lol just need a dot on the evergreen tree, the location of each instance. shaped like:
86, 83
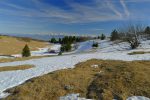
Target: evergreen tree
26, 51
53, 40
103, 37
66, 47
147, 30
98, 37
114, 35
60, 41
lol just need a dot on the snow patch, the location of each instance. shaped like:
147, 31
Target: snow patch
94, 66
73, 97
138, 98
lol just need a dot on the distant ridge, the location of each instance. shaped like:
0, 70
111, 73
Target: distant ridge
42, 37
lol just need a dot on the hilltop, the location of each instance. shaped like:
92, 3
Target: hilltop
13, 45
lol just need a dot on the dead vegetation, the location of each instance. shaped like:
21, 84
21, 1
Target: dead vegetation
12, 68
98, 79
138, 52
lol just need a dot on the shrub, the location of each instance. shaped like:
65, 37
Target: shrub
95, 44
60, 53
26, 51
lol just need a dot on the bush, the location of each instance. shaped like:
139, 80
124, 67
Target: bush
134, 43
60, 53
26, 51
95, 44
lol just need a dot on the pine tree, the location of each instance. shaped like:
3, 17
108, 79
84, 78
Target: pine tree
147, 30
26, 51
53, 40
103, 37
60, 41
114, 35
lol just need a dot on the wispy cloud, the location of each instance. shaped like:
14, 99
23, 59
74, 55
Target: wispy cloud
111, 6
79, 13
125, 8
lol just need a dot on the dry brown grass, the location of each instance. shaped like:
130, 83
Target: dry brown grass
12, 68
120, 80
138, 52
14, 45
117, 79
21, 59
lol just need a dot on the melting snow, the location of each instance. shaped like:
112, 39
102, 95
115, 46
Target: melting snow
48, 64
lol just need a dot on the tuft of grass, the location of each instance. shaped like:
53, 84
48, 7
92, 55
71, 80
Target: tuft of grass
112, 79
12, 68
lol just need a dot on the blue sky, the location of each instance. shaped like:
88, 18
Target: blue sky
70, 16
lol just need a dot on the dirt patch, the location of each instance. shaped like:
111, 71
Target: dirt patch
14, 45
92, 79
12, 68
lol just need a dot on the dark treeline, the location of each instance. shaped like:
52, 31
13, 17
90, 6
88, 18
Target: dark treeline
67, 41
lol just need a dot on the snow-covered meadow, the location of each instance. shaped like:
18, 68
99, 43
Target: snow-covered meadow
106, 50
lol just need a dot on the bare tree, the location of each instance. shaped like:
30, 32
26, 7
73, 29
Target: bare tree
132, 34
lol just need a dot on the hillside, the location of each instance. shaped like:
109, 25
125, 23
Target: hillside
107, 50
13, 45
94, 79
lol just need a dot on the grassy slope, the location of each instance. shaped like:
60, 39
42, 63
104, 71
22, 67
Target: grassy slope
13, 45
112, 79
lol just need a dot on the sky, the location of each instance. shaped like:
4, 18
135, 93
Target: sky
70, 16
